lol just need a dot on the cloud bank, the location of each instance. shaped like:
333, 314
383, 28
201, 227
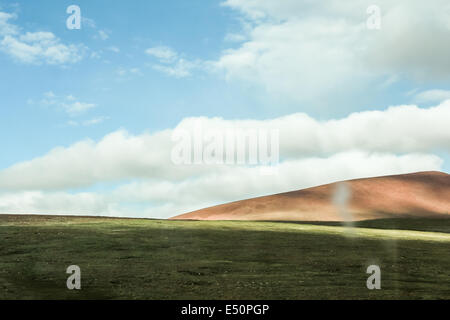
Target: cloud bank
144, 182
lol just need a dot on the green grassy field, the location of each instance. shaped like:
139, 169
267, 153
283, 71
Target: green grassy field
159, 259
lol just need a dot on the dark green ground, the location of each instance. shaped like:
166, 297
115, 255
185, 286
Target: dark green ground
156, 259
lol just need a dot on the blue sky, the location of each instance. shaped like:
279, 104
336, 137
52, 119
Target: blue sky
143, 68
147, 101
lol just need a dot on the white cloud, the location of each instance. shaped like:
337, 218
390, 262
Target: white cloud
96, 54
36, 47
236, 182
117, 156
405, 128
127, 73
235, 37
86, 123
304, 49
77, 107
147, 183
68, 103
103, 35
432, 96
162, 199
171, 63
6, 28
301, 59
182, 68
94, 121
120, 156
88, 22
163, 53
37, 202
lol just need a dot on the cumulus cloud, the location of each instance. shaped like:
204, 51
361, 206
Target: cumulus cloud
120, 156
117, 156
36, 47
235, 182
305, 49
146, 183
162, 199
37, 202
406, 128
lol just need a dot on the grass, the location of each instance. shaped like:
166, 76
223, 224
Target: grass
160, 259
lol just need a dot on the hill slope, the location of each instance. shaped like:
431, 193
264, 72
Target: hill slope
421, 194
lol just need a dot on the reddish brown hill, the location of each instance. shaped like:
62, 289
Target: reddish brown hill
416, 194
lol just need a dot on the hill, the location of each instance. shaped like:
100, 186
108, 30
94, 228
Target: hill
421, 194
